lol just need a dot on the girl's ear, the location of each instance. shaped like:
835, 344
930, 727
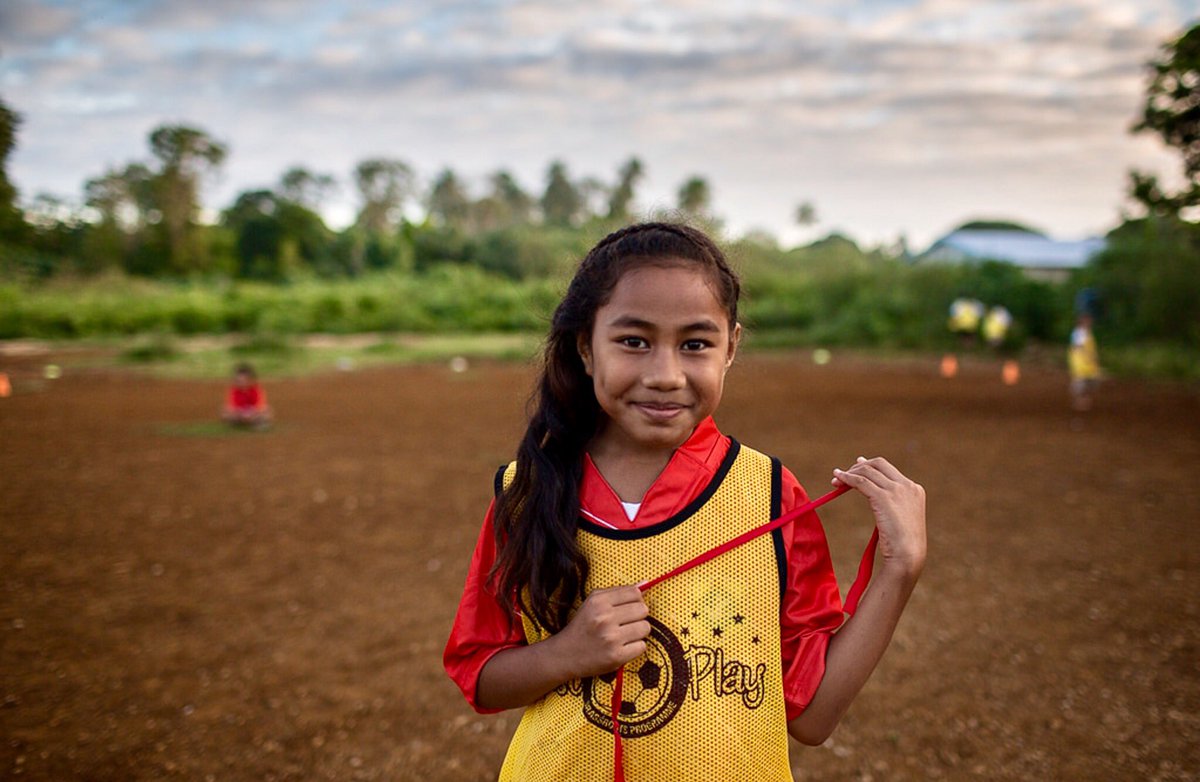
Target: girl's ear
735, 338
584, 346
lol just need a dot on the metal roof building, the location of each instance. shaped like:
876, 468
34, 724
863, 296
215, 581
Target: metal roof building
1038, 255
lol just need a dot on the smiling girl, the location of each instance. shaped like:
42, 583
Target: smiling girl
622, 475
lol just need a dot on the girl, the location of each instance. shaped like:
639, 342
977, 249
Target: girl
621, 476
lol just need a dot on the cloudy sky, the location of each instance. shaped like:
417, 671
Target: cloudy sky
891, 116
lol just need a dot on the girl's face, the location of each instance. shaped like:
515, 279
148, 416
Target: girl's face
657, 356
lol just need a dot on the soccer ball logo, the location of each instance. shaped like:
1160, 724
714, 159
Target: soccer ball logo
653, 690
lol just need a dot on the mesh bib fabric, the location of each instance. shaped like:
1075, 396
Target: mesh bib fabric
706, 700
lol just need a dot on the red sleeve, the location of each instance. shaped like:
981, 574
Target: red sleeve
260, 398
481, 626
812, 605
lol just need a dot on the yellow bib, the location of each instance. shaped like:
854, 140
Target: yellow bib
1083, 361
706, 700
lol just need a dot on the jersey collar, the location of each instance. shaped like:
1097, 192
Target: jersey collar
690, 469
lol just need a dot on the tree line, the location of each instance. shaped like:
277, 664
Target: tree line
144, 218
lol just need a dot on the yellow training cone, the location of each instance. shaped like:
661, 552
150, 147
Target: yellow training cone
949, 365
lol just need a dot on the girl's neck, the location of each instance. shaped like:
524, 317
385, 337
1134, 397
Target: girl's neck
630, 471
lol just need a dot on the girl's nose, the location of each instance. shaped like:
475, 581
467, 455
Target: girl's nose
664, 371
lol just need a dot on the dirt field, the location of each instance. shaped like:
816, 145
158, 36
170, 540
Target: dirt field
181, 602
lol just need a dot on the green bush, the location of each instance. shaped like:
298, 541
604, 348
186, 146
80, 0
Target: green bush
1148, 282
1151, 359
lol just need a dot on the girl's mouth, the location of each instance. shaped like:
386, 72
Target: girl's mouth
659, 412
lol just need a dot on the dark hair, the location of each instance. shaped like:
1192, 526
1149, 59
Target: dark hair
539, 568
244, 368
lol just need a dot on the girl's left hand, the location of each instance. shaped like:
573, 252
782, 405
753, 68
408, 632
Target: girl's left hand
899, 508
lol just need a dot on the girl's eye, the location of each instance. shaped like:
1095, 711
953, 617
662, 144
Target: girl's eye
634, 342
696, 344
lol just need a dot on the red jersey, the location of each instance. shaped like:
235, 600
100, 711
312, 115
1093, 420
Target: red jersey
249, 398
811, 608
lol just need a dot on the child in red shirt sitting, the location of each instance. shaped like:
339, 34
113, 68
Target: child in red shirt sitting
246, 404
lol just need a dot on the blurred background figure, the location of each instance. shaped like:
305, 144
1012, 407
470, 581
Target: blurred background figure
246, 404
1084, 363
965, 315
995, 326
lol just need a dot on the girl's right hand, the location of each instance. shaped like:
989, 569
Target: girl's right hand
607, 631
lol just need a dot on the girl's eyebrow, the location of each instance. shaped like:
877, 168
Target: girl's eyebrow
630, 322
633, 322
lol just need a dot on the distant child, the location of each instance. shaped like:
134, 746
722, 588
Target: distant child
1084, 363
621, 476
246, 404
965, 315
995, 327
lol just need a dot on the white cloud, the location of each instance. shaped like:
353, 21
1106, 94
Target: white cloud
891, 116
25, 23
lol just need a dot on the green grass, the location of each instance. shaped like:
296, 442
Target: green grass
204, 429
446, 299
279, 356
156, 349
436, 347
1151, 360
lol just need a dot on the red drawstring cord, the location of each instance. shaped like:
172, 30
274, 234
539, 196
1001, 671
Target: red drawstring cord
860, 584
745, 537
618, 752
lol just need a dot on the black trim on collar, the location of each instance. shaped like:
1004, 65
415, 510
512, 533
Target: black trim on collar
777, 534
498, 483
680, 517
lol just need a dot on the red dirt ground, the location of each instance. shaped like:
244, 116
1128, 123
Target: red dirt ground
181, 602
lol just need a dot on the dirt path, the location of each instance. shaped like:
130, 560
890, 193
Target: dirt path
179, 602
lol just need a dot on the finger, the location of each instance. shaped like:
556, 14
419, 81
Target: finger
635, 631
621, 595
632, 651
856, 479
877, 476
887, 468
868, 472
629, 613
844, 478
837, 471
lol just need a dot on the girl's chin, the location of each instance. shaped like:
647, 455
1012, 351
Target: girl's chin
637, 434
665, 438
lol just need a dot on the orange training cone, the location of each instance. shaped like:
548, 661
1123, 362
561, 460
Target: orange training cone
1011, 373
949, 365
5, 386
